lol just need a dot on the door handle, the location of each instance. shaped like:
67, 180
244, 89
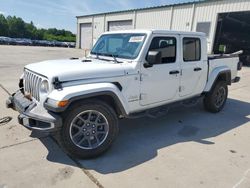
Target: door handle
197, 69
174, 72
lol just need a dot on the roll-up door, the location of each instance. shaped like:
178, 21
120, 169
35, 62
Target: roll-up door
86, 36
120, 25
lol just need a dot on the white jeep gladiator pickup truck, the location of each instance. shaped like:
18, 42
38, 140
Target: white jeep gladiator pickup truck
127, 74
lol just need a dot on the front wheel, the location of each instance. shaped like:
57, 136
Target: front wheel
89, 129
215, 100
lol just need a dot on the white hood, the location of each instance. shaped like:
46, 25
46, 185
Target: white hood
67, 70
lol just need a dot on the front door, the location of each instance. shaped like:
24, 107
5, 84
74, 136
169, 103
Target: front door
160, 82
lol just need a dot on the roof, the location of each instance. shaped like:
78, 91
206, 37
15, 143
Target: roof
156, 31
147, 8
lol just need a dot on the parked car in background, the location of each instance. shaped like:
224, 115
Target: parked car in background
22, 41
29, 42
35, 43
5, 40
72, 44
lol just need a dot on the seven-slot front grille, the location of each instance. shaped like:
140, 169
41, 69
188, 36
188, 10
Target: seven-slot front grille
32, 83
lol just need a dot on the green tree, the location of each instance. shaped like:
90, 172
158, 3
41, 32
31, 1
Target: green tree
30, 30
4, 28
38, 34
16, 27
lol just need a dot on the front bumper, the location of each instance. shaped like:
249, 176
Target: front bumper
32, 115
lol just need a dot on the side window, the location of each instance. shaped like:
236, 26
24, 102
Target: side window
167, 47
191, 49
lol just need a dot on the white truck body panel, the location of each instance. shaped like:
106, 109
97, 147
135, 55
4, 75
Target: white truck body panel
192, 82
221, 65
76, 69
80, 90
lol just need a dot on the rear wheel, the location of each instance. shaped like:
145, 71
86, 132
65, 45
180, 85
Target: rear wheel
215, 100
89, 129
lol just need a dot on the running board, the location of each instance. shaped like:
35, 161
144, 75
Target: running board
163, 110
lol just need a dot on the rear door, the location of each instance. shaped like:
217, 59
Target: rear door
160, 82
193, 66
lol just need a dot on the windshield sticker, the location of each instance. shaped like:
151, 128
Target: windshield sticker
136, 39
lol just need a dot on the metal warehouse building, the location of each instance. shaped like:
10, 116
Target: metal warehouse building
226, 22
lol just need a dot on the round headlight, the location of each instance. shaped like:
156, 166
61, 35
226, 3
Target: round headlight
44, 87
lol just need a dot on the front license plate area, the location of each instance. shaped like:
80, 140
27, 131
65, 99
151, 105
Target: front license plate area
21, 103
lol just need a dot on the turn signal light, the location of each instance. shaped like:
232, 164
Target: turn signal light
62, 103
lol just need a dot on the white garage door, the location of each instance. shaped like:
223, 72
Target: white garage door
86, 36
120, 25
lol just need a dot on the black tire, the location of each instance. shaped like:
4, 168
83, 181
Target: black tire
107, 114
215, 100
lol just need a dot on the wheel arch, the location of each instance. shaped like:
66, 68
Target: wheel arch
221, 74
107, 97
106, 92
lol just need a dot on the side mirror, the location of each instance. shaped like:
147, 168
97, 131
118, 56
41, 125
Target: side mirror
153, 57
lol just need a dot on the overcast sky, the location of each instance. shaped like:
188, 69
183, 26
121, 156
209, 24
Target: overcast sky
61, 13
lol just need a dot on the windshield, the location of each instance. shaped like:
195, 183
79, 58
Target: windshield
122, 45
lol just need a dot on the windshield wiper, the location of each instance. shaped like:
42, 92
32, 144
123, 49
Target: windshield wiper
106, 54
98, 54
115, 59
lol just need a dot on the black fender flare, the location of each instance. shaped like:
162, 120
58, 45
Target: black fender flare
223, 76
111, 94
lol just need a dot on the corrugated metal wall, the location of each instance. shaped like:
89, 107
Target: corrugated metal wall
98, 27
182, 17
154, 19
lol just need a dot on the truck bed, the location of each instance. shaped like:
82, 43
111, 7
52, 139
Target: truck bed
227, 60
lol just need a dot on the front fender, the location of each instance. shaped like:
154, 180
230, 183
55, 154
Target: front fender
73, 93
212, 77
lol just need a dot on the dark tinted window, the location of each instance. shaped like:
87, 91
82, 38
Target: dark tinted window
167, 47
203, 27
191, 49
